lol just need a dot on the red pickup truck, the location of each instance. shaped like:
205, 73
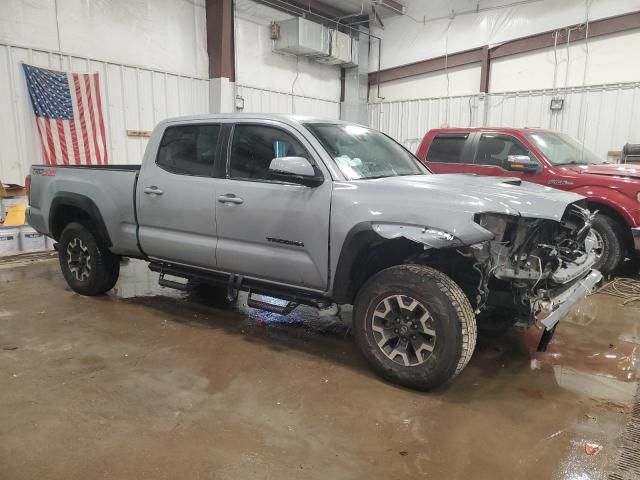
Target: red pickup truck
553, 159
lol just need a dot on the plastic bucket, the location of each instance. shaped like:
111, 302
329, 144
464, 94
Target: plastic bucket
9, 244
30, 240
9, 202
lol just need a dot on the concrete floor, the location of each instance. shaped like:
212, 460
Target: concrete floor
151, 383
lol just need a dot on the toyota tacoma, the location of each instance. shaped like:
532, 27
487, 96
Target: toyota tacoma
318, 212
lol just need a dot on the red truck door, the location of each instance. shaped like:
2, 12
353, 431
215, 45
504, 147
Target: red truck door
450, 152
480, 153
492, 151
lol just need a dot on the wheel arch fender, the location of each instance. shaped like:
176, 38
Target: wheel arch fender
372, 246
611, 199
68, 206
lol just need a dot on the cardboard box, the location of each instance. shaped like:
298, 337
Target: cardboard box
12, 190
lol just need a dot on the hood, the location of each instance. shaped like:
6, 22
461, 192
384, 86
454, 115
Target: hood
613, 170
477, 194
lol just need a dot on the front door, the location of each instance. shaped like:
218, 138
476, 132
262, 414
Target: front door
270, 229
492, 153
177, 198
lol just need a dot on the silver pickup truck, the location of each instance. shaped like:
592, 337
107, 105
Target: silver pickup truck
314, 212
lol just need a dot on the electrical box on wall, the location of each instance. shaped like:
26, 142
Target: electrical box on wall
299, 36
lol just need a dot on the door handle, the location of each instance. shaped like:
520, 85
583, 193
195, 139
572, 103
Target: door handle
153, 191
230, 198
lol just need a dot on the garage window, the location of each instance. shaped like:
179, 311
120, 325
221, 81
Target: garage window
189, 150
447, 148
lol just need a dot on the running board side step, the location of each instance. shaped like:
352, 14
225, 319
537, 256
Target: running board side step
163, 282
270, 307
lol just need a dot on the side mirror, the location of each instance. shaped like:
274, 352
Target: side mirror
522, 163
295, 170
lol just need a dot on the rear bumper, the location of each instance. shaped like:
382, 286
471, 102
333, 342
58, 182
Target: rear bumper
635, 232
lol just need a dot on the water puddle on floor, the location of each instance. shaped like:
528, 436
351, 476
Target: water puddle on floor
595, 350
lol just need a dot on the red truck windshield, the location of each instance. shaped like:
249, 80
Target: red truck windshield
561, 149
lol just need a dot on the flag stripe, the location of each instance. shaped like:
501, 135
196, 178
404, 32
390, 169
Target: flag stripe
96, 82
43, 142
69, 143
52, 151
74, 142
83, 123
53, 125
77, 126
92, 120
62, 141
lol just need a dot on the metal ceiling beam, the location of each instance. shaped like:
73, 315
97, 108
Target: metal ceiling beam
427, 66
315, 11
605, 26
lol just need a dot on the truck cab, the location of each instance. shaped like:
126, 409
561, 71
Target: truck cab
553, 159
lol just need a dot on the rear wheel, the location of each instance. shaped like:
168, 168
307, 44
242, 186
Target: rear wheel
88, 267
415, 326
611, 250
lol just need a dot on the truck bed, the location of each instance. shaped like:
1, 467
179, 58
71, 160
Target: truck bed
107, 189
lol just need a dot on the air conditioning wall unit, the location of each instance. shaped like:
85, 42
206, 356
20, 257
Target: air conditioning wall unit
340, 49
299, 36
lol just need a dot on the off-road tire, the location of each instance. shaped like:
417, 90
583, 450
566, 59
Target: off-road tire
453, 321
104, 266
613, 253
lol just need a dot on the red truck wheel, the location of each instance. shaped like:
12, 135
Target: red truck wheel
611, 252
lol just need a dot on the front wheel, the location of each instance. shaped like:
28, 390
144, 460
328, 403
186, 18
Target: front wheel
415, 326
610, 248
88, 267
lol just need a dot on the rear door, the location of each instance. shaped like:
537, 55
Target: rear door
270, 229
176, 196
450, 152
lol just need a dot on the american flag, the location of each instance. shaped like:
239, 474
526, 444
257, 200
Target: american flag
68, 113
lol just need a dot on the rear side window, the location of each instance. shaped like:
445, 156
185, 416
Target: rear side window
253, 148
189, 149
447, 148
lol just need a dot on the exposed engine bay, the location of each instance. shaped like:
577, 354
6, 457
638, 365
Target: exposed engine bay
532, 270
538, 258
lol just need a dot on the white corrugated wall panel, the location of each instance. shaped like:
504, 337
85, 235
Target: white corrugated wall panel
408, 120
133, 98
605, 117
258, 100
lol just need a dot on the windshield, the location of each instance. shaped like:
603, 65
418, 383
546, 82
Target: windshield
362, 153
561, 149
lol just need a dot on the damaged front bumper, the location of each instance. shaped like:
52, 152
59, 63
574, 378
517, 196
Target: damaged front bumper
551, 310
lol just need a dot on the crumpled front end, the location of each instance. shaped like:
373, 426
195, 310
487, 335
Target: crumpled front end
546, 265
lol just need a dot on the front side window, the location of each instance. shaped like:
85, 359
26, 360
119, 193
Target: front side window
363, 153
255, 146
495, 149
447, 148
561, 149
189, 150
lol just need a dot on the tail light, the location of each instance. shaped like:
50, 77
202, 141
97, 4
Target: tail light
27, 186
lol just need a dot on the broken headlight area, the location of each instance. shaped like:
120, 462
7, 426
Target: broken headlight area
531, 262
